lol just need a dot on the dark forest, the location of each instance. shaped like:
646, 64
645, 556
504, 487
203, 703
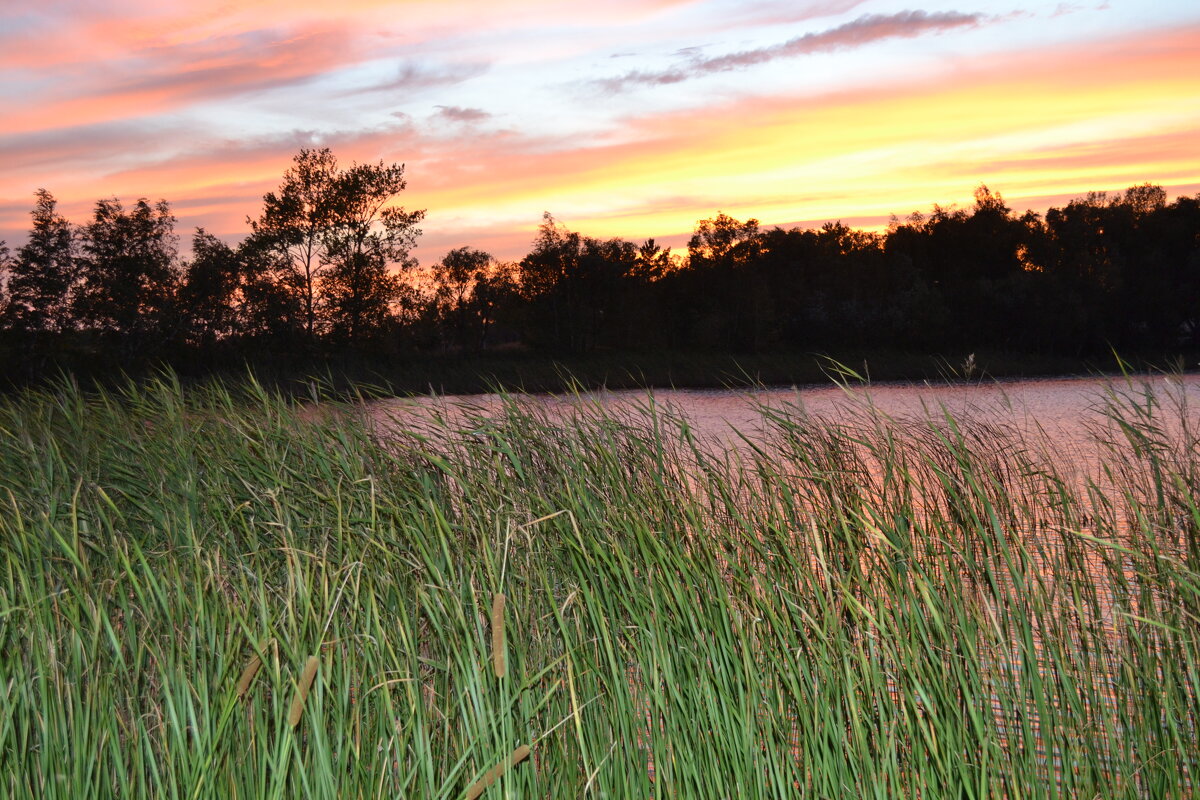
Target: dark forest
327, 271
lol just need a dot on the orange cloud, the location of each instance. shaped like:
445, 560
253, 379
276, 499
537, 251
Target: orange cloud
1033, 125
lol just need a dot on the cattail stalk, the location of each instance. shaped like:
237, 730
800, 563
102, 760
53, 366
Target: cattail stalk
499, 657
493, 774
306, 682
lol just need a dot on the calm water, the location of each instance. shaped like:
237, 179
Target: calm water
1065, 409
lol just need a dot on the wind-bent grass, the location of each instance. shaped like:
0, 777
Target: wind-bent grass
525, 605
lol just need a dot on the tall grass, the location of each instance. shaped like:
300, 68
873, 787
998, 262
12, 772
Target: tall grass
221, 593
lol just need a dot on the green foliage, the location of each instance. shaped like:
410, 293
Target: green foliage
852, 607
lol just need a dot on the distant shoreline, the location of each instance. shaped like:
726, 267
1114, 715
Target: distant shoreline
339, 375
528, 373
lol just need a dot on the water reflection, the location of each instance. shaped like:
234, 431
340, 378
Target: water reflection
1065, 410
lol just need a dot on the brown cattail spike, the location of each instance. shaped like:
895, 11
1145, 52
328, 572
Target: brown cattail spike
499, 658
306, 682
493, 774
243, 684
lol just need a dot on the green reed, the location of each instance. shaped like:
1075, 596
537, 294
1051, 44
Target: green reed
222, 593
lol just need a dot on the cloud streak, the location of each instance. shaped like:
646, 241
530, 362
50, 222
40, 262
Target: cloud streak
864, 30
411, 78
161, 78
460, 114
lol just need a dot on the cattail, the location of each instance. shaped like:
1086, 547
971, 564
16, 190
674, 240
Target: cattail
243, 684
493, 774
499, 660
251, 670
306, 681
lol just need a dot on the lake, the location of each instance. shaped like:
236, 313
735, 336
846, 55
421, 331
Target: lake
1066, 410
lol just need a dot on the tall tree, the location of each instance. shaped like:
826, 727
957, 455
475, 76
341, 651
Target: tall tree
1145, 199
129, 274
574, 287
272, 294
210, 291
366, 237
723, 291
653, 261
458, 278
295, 222
44, 272
336, 234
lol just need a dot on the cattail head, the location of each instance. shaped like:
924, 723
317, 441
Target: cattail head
499, 657
306, 682
493, 774
243, 684
252, 668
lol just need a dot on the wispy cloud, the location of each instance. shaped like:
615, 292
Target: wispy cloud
412, 78
864, 30
161, 78
460, 114
783, 12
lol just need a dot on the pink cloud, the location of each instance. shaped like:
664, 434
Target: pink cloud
159, 78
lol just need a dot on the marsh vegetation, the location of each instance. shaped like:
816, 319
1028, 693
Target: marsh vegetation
220, 592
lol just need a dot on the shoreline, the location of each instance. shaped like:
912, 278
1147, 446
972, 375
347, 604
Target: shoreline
537, 375
334, 375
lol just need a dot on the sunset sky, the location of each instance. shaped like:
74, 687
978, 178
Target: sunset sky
622, 117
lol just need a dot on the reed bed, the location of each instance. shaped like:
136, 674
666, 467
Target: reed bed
221, 593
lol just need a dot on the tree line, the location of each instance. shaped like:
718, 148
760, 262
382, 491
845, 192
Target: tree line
327, 268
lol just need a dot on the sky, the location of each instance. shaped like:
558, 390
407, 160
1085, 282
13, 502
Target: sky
631, 118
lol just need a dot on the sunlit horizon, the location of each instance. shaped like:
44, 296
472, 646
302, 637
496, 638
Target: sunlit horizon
635, 118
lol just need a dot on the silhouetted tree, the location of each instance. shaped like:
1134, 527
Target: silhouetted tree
1150, 250
336, 234
1172, 293
327, 261
458, 278
653, 261
1086, 271
549, 285
128, 275
44, 272
574, 287
210, 292
720, 289
365, 239
723, 241
493, 302
273, 290
1145, 200
295, 222
611, 275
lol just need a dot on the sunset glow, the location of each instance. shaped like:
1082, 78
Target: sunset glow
628, 119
